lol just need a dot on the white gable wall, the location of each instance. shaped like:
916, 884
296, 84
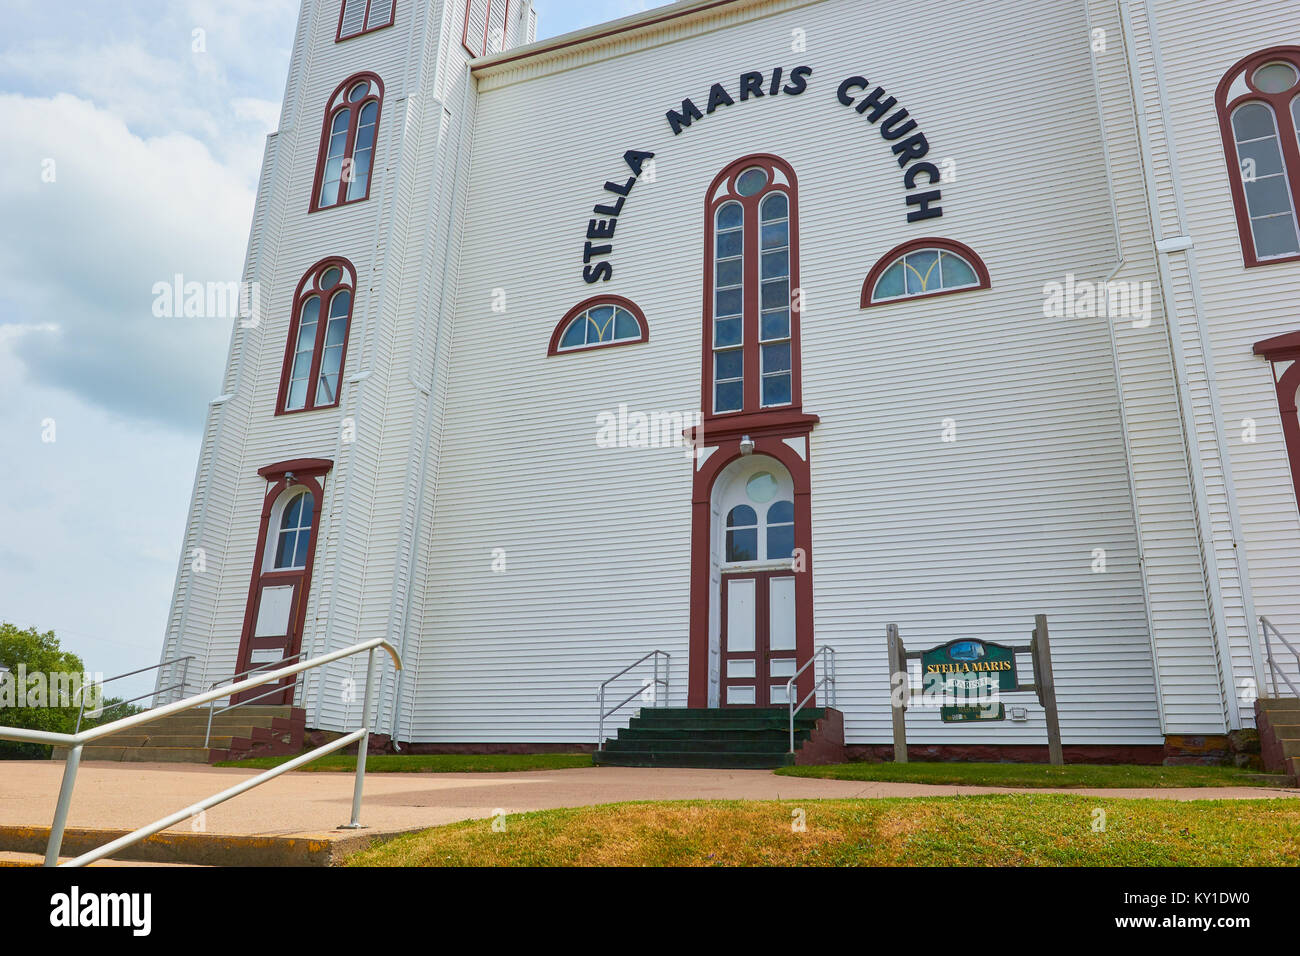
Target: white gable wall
970, 539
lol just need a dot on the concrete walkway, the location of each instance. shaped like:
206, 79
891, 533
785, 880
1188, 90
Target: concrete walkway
129, 795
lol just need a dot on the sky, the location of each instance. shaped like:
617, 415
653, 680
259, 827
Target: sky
133, 140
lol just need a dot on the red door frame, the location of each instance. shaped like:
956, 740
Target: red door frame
769, 436
308, 473
762, 653
1286, 348
1287, 386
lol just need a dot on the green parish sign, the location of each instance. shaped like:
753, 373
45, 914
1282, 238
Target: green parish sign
962, 666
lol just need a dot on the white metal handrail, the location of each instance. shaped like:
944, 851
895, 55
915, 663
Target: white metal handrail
1266, 625
226, 682
600, 731
185, 669
76, 741
828, 678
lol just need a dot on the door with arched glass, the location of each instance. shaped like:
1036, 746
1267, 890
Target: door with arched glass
755, 541
281, 581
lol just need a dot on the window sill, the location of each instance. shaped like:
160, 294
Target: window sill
1261, 263
749, 567
301, 411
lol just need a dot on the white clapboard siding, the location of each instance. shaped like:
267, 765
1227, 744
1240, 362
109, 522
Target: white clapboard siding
1237, 306
970, 539
471, 444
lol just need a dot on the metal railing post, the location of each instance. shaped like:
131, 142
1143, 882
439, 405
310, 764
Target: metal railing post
363, 745
207, 738
668, 677
600, 725
55, 843
835, 679
185, 678
1268, 655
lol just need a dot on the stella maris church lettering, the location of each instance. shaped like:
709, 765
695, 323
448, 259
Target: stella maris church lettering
897, 127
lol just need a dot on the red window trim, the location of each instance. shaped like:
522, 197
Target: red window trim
581, 307
307, 285
1286, 348
392, 18
332, 106
1281, 106
915, 245
308, 473
487, 26
723, 190
300, 467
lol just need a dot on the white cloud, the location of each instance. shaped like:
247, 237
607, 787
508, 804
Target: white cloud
122, 214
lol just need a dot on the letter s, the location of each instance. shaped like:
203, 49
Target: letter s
600, 272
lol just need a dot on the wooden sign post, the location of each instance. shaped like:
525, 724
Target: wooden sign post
955, 664
1045, 687
899, 691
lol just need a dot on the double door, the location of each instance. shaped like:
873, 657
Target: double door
758, 638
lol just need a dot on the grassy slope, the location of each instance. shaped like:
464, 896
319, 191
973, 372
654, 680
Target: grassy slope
1035, 775
428, 763
1011, 830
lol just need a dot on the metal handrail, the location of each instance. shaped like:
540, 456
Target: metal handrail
185, 670
828, 677
212, 712
78, 740
600, 731
1274, 670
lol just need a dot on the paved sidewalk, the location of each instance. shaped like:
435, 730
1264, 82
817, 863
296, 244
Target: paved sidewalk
129, 795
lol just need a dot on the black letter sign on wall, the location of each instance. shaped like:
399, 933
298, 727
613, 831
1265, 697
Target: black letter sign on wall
600, 232
897, 127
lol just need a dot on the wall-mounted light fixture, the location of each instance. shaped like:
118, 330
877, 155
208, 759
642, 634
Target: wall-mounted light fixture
747, 446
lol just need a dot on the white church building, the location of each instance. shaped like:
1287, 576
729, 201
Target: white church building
739, 329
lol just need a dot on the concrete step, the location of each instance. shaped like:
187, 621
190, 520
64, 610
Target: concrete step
162, 740
731, 713
1279, 704
699, 744
193, 849
137, 754
781, 737
12, 859
708, 725
199, 725
712, 761
1286, 731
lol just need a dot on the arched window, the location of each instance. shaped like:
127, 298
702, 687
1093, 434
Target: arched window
600, 322
766, 538
751, 303
293, 533
347, 148
361, 16
922, 268
742, 534
780, 531
1258, 101
318, 337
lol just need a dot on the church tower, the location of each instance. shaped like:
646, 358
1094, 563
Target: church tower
319, 456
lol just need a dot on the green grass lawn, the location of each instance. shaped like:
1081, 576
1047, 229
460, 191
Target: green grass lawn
427, 763
1037, 775
994, 830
